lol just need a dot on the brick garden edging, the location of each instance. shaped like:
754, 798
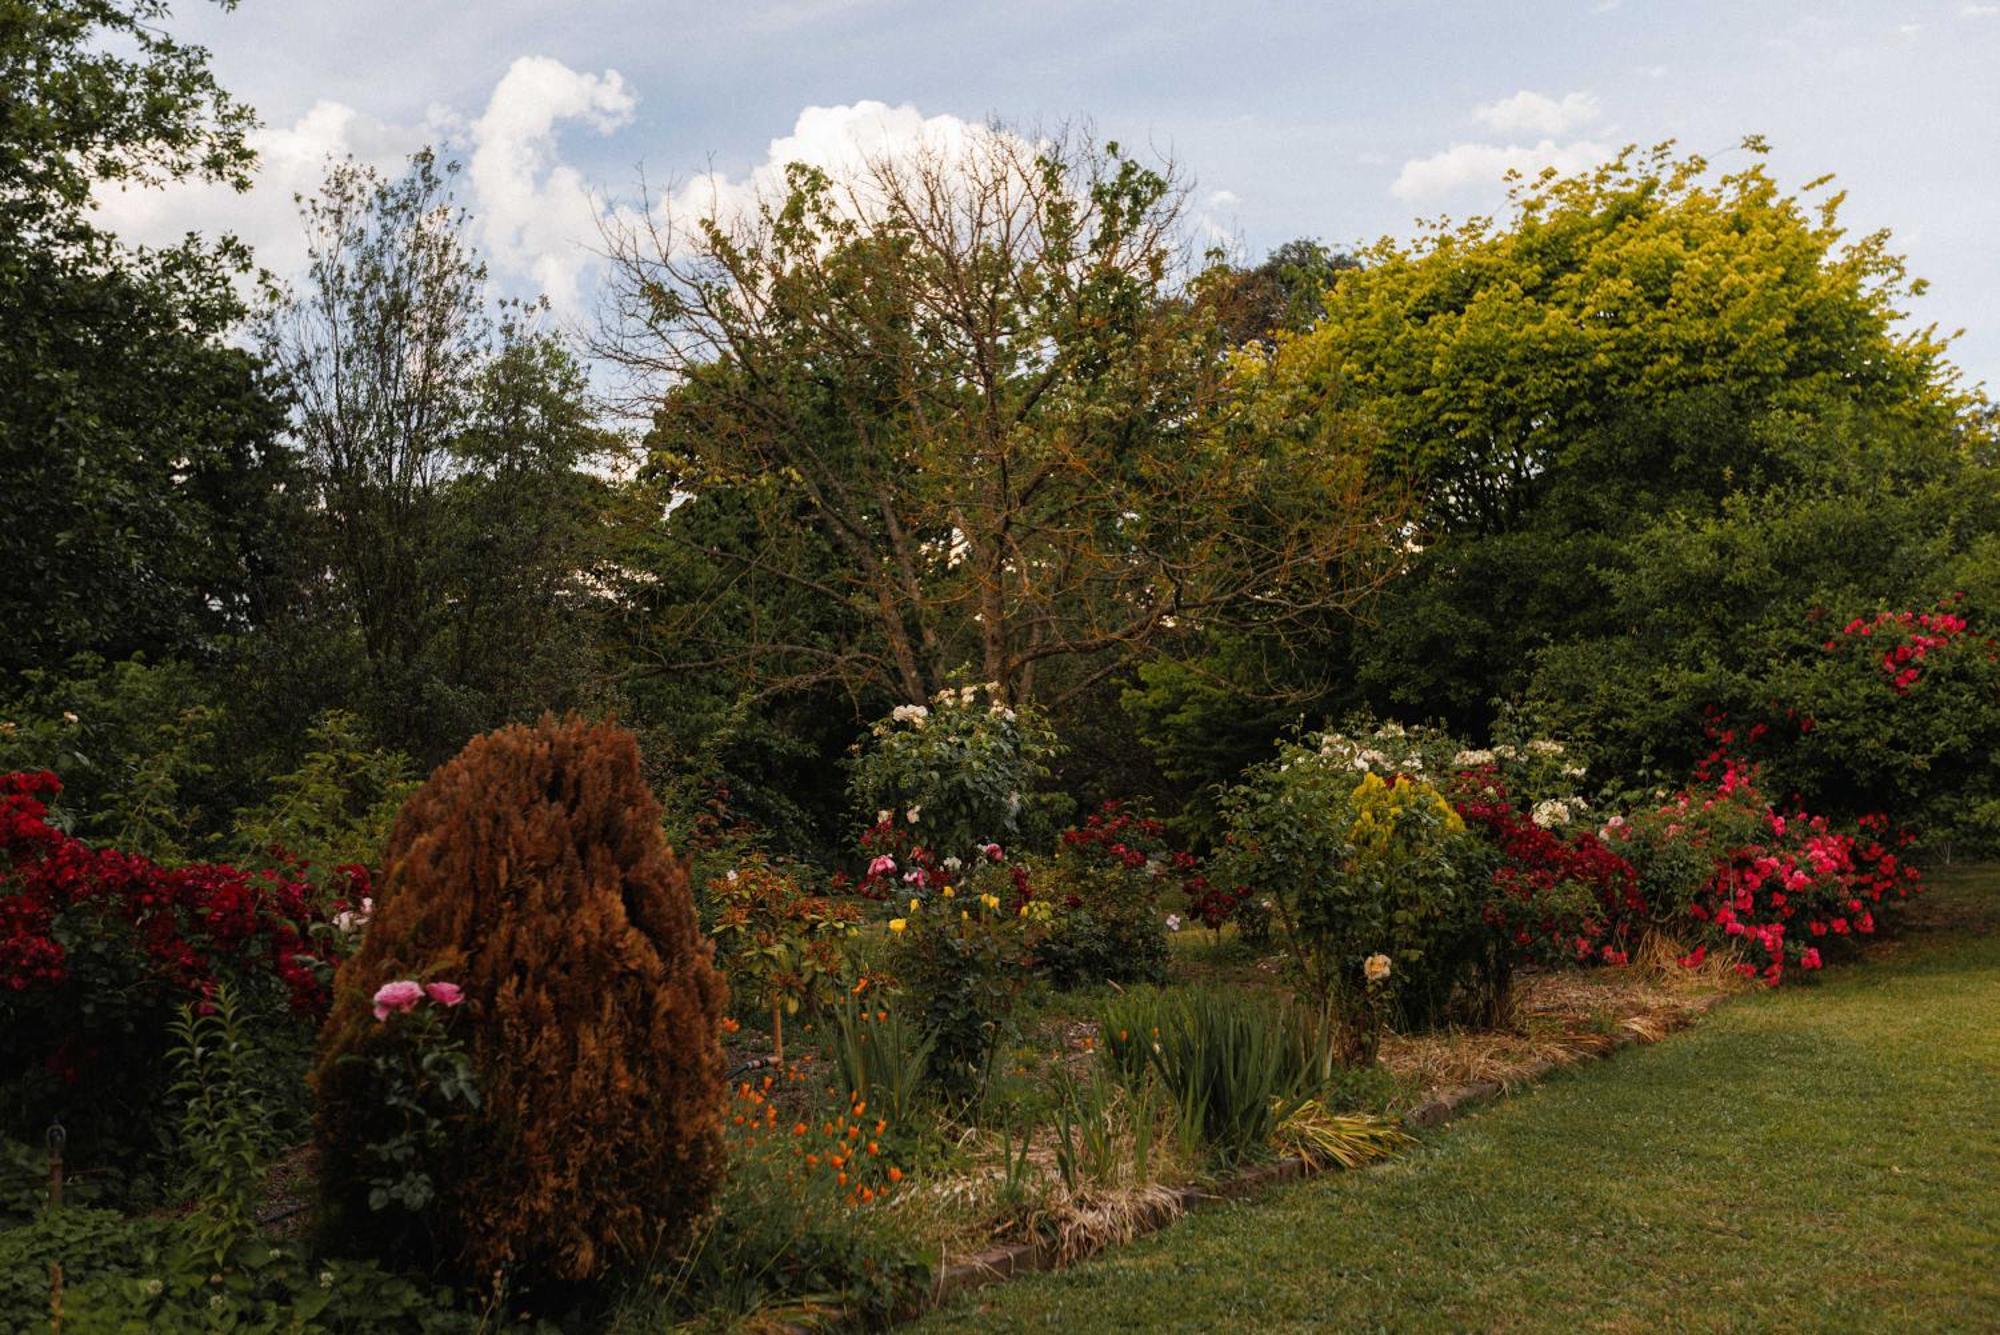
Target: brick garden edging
996, 1265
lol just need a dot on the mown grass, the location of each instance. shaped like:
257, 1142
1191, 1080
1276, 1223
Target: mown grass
1822, 1158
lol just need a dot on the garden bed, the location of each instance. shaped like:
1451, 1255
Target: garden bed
1561, 1018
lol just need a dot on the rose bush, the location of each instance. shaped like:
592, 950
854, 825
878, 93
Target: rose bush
1721, 865
98, 947
1357, 865
960, 773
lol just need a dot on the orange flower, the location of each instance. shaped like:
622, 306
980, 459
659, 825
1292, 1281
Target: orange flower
867, 1194
873, 1148
799, 1129
895, 1173
843, 1179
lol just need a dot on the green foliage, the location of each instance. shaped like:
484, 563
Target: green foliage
964, 962
783, 1246
982, 428
778, 946
134, 744
959, 773
1234, 1065
141, 489
337, 807
429, 1095
1483, 348
884, 1059
126, 1274
1732, 607
225, 1130
454, 521
1105, 885
1358, 868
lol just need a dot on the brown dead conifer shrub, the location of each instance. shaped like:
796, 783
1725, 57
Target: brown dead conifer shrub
531, 870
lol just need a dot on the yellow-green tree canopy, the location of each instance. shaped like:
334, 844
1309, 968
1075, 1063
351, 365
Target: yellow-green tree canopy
1479, 346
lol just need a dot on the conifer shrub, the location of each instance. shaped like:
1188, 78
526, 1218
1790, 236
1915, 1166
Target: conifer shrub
531, 872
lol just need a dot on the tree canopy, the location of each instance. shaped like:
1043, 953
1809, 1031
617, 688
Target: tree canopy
976, 400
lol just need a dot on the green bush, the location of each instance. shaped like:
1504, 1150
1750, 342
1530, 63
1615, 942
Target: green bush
964, 959
1374, 884
957, 773
784, 1249
148, 1274
1105, 884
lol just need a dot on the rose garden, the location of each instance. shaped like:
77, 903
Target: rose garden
1032, 733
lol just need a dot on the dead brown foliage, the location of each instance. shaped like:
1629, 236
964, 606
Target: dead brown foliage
531, 871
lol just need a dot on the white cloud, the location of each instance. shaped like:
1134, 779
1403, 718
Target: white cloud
291, 161
1529, 112
846, 142
535, 213
1980, 11
1465, 167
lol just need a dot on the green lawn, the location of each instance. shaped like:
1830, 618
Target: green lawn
1822, 1158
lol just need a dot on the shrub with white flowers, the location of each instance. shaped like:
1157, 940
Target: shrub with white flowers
958, 772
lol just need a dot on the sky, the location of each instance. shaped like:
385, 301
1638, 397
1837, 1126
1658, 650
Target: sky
1337, 119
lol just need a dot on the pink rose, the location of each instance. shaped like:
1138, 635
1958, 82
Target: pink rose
993, 852
401, 995
882, 866
444, 994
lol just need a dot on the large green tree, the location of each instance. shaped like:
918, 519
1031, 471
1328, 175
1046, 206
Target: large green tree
141, 484
451, 572
972, 399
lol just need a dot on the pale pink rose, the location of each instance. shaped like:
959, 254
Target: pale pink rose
444, 994
399, 996
882, 866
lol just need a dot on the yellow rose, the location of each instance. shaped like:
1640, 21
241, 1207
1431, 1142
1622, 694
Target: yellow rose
913, 904
947, 892
898, 924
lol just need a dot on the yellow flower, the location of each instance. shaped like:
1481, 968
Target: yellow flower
898, 924
913, 903
947, 892
964, 914
990, 901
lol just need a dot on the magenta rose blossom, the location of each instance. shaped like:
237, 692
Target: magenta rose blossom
401, 995
444, 994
